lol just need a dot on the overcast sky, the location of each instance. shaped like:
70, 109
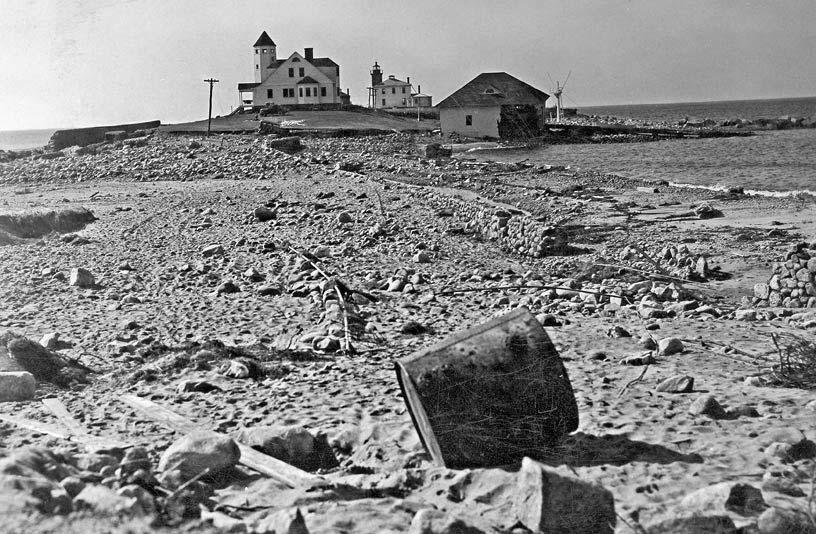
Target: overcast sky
77, 63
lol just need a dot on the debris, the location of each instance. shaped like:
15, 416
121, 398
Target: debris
476, 398
80, 277
676, 384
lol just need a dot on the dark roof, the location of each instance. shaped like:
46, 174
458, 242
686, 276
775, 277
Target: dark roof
507, 90
317, 62
392, 81
307, 79
264, 40
247, 86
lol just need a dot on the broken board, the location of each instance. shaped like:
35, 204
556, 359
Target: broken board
490, 395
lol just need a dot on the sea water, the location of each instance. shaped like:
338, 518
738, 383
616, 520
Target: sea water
24, 139
776, 162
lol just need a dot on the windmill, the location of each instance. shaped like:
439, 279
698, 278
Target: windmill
559, 90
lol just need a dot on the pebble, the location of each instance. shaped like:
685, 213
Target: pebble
641, 358
263, 213
212, 250
344, 217
227, 287
422, 257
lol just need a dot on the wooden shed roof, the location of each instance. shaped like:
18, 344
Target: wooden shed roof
494, 89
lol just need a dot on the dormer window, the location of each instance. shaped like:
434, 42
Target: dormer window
489, 91
295, 60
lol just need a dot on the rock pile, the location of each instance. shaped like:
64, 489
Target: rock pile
792, 283
516, 232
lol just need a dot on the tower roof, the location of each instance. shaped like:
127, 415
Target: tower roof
264, 40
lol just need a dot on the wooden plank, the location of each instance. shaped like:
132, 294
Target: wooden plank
36, 426
77, 431
267, 465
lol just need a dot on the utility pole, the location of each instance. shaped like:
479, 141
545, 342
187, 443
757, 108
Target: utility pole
210, 81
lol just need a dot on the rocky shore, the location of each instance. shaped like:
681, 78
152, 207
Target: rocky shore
213, 349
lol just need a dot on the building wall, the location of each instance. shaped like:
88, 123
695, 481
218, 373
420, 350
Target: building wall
422, 101
393, 99
279, 80
485, 121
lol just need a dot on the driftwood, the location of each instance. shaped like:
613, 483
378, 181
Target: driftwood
490, 395
77, 431
267, 465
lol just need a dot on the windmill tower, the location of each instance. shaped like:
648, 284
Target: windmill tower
559, 90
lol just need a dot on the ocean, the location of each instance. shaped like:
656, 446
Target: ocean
24, 139
780, 162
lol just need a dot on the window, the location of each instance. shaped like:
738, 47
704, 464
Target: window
288, 93
291, 73
322, 91
300, 72
256, 67
468, 120
403, 90
309, 91
269, 93
383, 99
256, 50
263, 51
295, 60
383, 91
300, 91
403, 101
393, 90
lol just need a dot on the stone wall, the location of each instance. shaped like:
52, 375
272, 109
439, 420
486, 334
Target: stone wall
515, 232
792, 283
96, 134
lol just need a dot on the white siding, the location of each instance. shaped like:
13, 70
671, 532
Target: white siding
485, 121
279, 80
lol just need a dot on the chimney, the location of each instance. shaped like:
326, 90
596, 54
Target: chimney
419, 88
408, 80
308, 53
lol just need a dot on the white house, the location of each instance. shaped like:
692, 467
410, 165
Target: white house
393, 93
493, 104
298, 79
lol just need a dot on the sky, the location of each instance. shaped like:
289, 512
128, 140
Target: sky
72, 63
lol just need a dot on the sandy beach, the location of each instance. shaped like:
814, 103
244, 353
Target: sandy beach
214, 244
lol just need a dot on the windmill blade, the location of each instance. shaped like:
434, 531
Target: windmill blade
552, 83
565, 81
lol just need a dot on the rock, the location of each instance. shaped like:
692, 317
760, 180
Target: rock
670, 345
101, 500
227, 287
198, 451
779, 521
741, 411
269, 291
294, 445
745, 315
80, 277
344, 217
781, 485
36, 359
676, 384
641, 358
707, 405
618, 331
548, 319
16, 386
50, 341
72, 485
548, 501
436, 150
212, 250
432, 521
694, 524
413, 328
422, 257
742, 499
762, 291
647, 342
287, 521
263, 213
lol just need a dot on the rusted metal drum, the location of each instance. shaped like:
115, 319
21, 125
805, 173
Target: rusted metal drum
489, 395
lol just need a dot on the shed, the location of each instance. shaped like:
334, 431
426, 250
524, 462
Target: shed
495, 105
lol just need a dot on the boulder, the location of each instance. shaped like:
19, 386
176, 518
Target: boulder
16, 386
101, 500
548, 501
779, 521
294, 445
212, 250
36, 359
198, 451
694, 524
263, 213
287, 521
80, 277
670, 345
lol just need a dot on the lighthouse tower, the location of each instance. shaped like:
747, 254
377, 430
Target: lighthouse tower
265, 53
